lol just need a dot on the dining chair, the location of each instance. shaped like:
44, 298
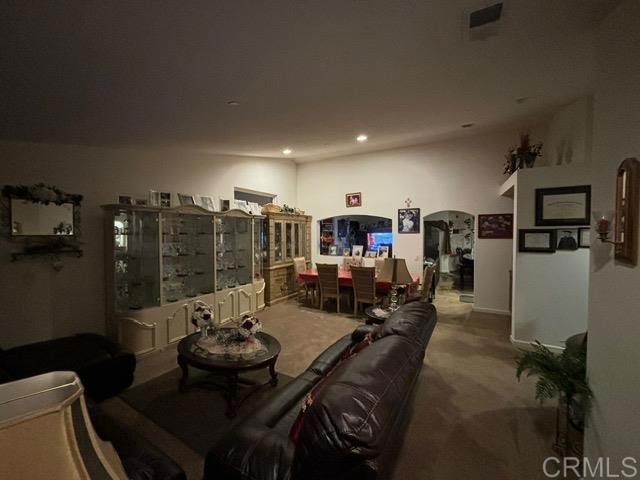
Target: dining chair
364, 287
302, 286
349, 262
328, 282
426, 294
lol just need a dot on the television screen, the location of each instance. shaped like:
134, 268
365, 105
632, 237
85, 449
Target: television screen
375, 240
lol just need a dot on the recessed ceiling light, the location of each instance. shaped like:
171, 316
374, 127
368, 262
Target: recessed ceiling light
233, 103
467, 125
362, 138
287, 151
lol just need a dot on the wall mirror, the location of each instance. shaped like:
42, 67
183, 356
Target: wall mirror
43, 219
35, 218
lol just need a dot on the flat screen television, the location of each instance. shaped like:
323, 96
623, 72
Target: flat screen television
377, 239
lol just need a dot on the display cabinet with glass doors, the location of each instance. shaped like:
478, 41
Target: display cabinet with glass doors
287, 237
159, 262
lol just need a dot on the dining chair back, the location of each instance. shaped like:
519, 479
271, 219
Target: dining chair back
349, 262
299, 265
364, 286
328, 281
302, 287
427, 282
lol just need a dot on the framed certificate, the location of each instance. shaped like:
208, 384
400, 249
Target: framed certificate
563, 206
538, 240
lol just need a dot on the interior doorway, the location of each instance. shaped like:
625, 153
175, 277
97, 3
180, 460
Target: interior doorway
449, 244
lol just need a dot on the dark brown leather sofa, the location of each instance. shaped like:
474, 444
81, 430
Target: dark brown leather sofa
354, 428
104, 366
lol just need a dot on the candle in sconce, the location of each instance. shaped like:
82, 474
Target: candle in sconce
603, 227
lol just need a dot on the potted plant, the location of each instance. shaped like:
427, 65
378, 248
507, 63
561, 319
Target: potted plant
564, 376
522, 156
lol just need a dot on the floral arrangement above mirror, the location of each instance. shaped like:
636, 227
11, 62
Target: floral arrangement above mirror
44, 218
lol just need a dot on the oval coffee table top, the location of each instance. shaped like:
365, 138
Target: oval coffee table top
199, 357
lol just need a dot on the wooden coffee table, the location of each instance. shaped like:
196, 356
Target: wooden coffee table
228, 366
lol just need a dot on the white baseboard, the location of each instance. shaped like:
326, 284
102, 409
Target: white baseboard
491, 310
527, 345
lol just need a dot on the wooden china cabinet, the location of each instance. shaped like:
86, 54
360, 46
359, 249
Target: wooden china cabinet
288, 236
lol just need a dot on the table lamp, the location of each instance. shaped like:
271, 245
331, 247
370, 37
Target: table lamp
395, 272
46, 433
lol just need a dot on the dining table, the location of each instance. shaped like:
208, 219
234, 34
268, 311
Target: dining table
345, 280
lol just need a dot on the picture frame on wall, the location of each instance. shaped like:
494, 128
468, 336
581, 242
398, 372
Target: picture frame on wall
206, 202
563, 206
383, 251
154, 198
567, 239
495, 225
357, 250
537, 240
165, 199
185, 199
353, 199
408, 220
584, 238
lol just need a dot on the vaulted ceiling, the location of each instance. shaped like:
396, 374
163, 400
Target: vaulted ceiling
309, 75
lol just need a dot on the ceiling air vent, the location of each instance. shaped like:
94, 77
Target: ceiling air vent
483, 23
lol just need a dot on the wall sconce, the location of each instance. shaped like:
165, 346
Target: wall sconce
625, 216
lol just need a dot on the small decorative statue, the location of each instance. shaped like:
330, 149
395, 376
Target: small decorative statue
202, 317
249, 325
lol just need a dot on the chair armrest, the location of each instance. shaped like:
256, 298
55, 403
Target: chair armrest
360, 332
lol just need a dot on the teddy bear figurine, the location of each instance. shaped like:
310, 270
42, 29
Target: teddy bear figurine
202, 317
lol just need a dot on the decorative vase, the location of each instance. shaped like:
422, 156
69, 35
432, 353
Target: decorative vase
529, 159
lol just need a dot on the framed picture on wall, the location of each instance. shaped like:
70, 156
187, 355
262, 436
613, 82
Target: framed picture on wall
537, 240
563, 206
185, 199
165, 199
357, 250
584, 237
383, 251
408, 220
567, 239
353, 199
495, 225
206, 202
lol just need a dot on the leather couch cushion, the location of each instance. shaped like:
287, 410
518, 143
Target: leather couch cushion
353, 414
140, 459
409, 320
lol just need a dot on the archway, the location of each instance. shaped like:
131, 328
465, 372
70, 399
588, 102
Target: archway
449, 245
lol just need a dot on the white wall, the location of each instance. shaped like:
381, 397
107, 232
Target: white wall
550, 289
462, 174
570, 135
614, 301
39, 303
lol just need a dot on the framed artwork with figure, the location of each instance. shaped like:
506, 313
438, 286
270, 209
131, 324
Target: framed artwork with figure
495, 225
353, 199
409, 220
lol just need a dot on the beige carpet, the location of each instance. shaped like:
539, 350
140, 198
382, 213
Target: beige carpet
471, 420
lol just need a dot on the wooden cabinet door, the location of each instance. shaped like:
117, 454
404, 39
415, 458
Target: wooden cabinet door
244, 296
225, 306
